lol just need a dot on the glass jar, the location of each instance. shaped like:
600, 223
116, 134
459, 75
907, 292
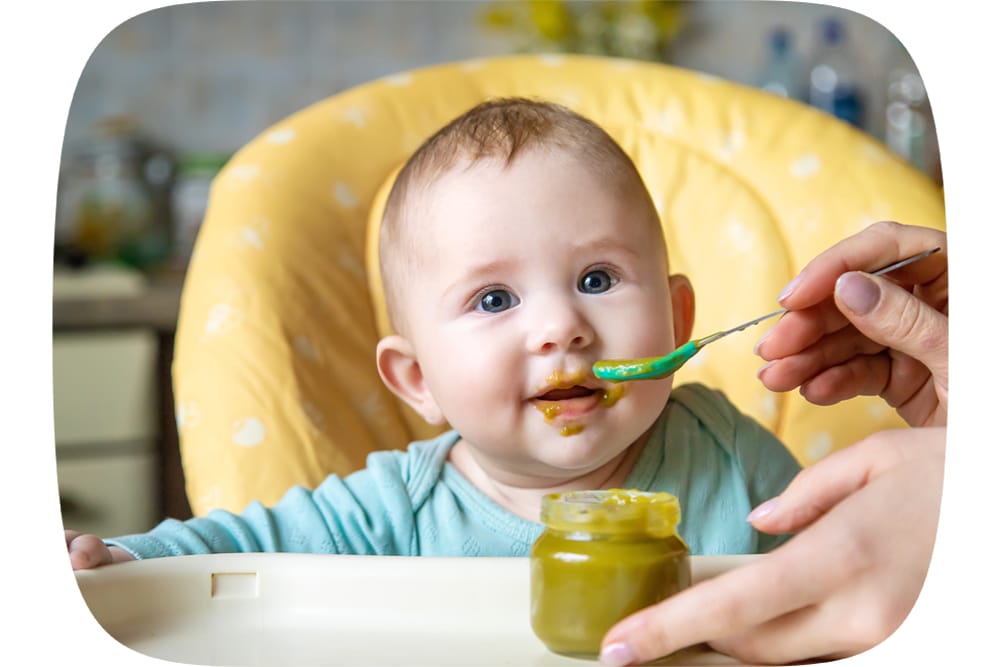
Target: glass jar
112, 198
602, 556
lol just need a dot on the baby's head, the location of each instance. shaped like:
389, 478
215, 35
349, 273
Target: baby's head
496, 132
518, 246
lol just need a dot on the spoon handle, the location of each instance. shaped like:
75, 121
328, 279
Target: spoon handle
701, 342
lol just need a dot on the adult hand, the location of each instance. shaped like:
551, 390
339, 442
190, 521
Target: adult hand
849, 333
840, 586
88, 551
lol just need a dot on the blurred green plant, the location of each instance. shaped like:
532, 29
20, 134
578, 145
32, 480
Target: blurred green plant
641, 29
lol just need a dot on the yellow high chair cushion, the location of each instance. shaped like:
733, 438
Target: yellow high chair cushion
274, 372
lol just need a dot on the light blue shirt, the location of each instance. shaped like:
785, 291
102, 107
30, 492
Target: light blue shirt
716, 460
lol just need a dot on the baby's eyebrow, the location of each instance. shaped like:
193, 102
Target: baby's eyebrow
479, 273
603, 245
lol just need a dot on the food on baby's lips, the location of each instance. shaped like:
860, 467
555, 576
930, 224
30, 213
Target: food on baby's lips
564, 386
602, 556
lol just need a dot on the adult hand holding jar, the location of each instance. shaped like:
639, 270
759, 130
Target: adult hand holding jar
852, 572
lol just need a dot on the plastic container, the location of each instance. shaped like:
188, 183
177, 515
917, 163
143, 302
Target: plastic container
907, 123
784, 70
835, 76
602, 556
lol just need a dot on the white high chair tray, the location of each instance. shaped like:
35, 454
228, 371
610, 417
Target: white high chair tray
295, 609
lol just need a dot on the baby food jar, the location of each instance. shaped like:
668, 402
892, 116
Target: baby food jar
602, 556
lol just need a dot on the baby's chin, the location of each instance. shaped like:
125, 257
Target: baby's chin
570, 456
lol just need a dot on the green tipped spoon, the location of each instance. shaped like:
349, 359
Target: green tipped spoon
655, 368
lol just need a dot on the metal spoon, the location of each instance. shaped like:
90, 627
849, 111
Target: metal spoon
655, 368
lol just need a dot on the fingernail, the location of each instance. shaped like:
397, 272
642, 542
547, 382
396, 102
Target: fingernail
762, 339
617, 655
858, 292
789, 288
762, 510
763, 368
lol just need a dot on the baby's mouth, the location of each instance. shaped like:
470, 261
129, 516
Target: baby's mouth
567, 404
566, 393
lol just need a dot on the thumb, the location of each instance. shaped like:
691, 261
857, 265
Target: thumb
888, 314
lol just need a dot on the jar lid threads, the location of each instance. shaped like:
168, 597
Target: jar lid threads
612, 511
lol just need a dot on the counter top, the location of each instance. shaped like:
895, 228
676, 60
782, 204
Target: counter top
113, 298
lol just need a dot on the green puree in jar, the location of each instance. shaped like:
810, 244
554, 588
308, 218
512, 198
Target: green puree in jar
603, 555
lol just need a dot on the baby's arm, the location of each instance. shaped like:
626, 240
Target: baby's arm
88, 551
370, 512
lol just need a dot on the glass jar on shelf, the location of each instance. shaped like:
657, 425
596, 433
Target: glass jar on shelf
111, 200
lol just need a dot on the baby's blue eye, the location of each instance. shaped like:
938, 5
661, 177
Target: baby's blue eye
497, 301
595, 282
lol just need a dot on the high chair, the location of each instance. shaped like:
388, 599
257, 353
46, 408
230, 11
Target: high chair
274, 373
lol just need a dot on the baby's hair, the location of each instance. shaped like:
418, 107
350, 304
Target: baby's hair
498, 129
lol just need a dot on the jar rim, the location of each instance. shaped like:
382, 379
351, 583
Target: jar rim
617, 511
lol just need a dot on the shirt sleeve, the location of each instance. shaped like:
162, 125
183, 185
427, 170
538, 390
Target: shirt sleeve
369, 512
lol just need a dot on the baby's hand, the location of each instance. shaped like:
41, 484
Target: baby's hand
88, 551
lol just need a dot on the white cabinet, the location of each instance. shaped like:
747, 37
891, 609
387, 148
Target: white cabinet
106, 424
108, 494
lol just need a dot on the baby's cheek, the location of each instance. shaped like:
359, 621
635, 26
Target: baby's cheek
648, 400
474, 383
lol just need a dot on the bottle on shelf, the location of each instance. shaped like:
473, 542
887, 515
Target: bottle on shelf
783, 72
908, 126
835, 76
112, 198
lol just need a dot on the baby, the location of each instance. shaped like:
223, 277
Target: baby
519, 246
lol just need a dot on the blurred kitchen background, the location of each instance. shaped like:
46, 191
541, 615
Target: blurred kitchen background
169, 95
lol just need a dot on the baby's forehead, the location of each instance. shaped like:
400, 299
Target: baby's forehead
468, 194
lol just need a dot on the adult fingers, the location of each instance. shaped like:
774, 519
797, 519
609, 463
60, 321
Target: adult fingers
888, 314
815, 567
896, 377
885, 554
821, 486
731, 603
817, 488
874, 247
833, 350
865, 375
798, 329
905, 383
924, 408
816, 631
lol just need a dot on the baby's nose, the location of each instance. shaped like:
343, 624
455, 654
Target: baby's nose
560, 327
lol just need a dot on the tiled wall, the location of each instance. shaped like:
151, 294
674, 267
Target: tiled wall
210, 76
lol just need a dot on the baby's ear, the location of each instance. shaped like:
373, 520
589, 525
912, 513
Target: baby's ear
400, 371
682, 298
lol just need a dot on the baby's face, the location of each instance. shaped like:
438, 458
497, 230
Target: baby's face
526, 276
